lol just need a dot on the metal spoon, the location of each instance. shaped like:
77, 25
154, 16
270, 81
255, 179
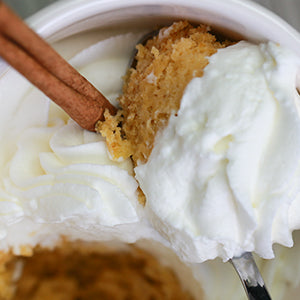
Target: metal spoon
250, 277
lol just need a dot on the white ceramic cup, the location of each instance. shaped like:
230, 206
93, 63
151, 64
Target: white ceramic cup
237, 18
243, 17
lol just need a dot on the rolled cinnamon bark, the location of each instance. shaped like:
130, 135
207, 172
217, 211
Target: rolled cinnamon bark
36, 60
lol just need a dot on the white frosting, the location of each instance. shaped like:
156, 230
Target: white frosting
224, 175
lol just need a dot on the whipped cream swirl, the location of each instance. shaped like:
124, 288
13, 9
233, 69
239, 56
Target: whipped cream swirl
224, 175
57, 179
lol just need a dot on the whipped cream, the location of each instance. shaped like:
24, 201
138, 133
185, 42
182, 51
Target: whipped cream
57, 179
223, 177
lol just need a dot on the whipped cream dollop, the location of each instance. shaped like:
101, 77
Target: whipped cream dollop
57, 179
224, 175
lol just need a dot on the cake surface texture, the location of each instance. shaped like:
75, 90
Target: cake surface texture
154, 88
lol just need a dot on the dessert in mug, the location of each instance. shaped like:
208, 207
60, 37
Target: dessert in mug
76, 191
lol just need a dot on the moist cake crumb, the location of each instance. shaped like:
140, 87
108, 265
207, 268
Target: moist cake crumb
77, 271
153, 90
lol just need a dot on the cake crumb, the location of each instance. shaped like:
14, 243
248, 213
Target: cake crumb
153, 90
82, 271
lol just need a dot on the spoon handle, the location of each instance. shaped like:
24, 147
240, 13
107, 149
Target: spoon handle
250, 276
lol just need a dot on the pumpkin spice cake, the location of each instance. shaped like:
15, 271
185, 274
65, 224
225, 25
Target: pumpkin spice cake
154, 88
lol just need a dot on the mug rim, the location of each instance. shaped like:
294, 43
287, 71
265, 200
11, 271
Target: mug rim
267, 25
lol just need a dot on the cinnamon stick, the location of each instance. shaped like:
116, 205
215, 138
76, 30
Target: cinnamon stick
24, 50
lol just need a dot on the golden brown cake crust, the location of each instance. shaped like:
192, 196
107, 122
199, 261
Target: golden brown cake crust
77, 271
153, 90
